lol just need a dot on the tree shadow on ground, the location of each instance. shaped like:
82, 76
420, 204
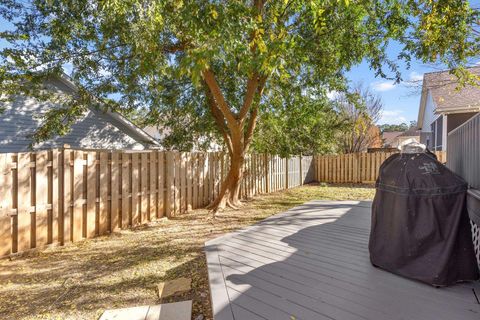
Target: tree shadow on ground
306, 265
81, 280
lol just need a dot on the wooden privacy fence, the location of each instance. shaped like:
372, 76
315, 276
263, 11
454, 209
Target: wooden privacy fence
354, 167
63, 195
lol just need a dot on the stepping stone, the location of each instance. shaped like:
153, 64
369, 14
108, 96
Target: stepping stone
167, 311
134, 313
169, 288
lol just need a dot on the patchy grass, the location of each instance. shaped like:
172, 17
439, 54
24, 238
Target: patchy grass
83, 279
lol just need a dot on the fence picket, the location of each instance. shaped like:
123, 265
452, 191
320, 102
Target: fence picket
91, 195
170, 184
54, 197
104, 186
6, 240
161, 184
195, 180
126, 196
152, 186
41, 200
67, 186
24, 202
78, 186
144, 198
115, 221
135, 181
189, 174
178, 189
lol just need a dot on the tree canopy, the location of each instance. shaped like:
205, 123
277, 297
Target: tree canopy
359, 109
397, 127
229, 59
298, 124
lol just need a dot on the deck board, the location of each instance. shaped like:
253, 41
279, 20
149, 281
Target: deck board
312, 262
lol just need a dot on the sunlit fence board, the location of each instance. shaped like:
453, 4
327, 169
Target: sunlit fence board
353, 168
53, 197
6, 240
24, 188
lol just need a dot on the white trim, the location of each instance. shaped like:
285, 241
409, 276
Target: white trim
130, 125
444, 132
423, 102
457, 110
437, 116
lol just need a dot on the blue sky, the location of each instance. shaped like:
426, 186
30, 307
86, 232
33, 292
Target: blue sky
401, 100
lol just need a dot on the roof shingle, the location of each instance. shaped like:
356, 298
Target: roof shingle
443, 89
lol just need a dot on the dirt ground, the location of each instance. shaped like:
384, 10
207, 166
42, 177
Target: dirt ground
81, 280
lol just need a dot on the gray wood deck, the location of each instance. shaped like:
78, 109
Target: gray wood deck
312, 262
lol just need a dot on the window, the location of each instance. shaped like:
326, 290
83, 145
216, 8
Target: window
439, 134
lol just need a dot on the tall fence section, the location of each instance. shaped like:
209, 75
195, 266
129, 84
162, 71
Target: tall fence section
354, 167
463, 145
63, 195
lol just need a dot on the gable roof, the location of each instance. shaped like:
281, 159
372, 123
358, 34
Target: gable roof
389, 136
412, 132
94, 130
119, 120
442, 87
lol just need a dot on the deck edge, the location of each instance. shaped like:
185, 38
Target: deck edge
221, 306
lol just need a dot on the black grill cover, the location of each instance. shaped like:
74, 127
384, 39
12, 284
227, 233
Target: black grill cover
420, 226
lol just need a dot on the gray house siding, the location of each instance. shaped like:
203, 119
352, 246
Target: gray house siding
96, 130
426, 138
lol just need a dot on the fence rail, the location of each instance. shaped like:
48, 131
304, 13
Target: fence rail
354, 167
63, 195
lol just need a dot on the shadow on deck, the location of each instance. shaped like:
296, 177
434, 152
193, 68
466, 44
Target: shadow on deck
312, 262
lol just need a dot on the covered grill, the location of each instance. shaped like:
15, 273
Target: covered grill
420, 226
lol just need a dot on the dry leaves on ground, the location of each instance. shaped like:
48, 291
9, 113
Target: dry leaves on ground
83, 279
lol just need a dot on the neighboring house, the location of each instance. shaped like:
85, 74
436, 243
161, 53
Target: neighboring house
95, 130
397, 139
443, 108
389, 138
159, 135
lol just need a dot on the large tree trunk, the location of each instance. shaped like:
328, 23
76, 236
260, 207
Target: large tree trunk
237, 126
229, 195
237, 131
